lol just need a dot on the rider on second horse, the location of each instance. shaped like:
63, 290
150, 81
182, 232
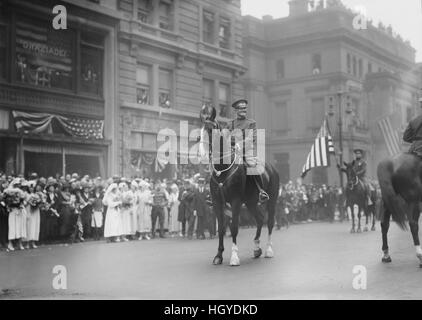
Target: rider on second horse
413, 133
359, 166
251, 161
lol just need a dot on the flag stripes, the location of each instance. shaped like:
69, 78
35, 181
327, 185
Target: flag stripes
390, 136
320, 151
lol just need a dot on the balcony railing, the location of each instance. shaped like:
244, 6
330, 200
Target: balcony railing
213, 49
141, 27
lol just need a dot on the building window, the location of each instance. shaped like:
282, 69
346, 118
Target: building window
44, 57
165, 14
208, 27
208, 91
280, 121
354, 66
166, 85
349, 63
3, 46
369, 67
223, 100
92, 52
280, 69
360, 68
224, 33
145, 11
316, 64
143, 80
317, 113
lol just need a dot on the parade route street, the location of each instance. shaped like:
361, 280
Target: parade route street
312, 261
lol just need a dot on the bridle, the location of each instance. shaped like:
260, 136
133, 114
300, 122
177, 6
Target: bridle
350, 184
218, 173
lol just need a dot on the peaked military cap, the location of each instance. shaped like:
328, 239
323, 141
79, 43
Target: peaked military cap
236, 104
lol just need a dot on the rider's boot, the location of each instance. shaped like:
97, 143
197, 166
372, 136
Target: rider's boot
263, 196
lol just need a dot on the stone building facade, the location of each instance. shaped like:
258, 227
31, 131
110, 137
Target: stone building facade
174, 55
297, 65
57, 87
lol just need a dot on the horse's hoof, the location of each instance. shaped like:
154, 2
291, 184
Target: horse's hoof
353, 230
217, 261
359, 230
257, 253
366, 229
269, 253
373, 229
386, 259
234, 262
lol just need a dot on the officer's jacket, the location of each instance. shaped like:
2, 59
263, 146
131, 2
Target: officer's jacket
244, 124
360, 168
413, 134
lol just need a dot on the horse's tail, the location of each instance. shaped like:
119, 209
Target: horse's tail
393, 202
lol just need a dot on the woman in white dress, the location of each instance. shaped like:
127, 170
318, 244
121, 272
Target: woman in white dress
144, 210
134, 211
113, 222
15, 199
34, 201
126, 209
174, 224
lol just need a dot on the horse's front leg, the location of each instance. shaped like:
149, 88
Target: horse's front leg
351, 214
234, 228
385, 225
359, 215
221, 230
374, 218
367, 213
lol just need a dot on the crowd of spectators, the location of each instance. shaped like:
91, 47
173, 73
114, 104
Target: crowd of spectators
72, 209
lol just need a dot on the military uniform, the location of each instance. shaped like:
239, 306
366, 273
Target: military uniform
360, 169
359, 166
256, 166
413, 135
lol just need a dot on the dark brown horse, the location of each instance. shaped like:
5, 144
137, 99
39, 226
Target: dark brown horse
355, 196
401, 190
231, 185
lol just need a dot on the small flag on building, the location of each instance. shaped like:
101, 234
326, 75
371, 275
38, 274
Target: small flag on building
320, 151
391, 136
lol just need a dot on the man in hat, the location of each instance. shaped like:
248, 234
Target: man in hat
413, 133
360, 165
249, 144
202, 194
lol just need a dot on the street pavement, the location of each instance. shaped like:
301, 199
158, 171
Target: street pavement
312, 261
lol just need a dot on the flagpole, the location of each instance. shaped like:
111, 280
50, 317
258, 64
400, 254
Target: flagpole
340, 136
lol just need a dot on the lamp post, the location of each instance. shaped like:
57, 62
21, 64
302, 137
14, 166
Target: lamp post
338, 97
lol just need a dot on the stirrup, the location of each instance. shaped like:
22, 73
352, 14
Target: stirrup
263, 196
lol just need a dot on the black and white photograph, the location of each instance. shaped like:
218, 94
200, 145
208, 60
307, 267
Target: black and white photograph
210, 150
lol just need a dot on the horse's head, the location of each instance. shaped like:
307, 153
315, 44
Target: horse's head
350, 173
207, 116
213, 135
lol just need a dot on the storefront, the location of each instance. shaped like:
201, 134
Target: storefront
56, 110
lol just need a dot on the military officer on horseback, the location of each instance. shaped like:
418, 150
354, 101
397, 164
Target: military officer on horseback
359, 166
413, 133
249, 145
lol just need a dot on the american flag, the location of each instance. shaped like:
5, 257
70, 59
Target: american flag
32, 122
391, 136
320, 151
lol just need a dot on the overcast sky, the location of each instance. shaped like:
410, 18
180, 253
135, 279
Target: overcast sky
405, 16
